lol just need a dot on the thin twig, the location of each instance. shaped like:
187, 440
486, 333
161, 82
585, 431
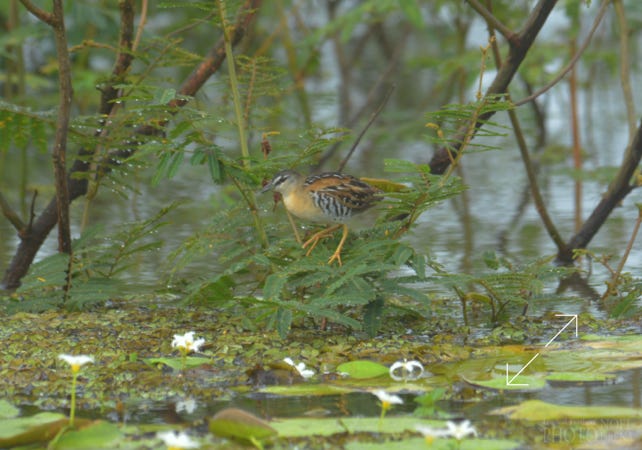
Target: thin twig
573, 60
240, 122
629, 245
11, 215
141, 25
363, 132
123, 62
108, 106
625, 75
612, 284
576, 145
32, 210
250, 93
474, 119
370, 97
491, 20
41, 14
517, 51
540, 205
215, 56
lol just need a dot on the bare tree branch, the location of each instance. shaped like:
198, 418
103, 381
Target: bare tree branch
531, 171
123, 60
11, 215
215, 57
62, 126
618, 189
573, 60
41, 14
491, 20
518, 49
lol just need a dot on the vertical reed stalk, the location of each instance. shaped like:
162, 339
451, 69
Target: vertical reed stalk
612, 284
625, 63
577, 145
240, 123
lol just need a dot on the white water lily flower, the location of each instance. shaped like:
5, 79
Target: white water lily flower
305, 373
176, 441
186, 342
406, 370
387, 400
76, 362
187, 405
431, 433
458, 430
461, 430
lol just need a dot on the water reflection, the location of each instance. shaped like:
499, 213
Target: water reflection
624, 393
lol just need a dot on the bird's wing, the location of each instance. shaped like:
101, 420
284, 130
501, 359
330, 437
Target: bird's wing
346, 190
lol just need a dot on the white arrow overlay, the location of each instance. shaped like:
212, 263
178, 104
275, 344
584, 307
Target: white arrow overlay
509, 382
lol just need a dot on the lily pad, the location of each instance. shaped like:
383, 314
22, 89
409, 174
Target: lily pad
307, 390
363, 369
177, 363
437, 444
627, 343
27, 430
7, 410
241, 425
330, 426
390, 425
537, 410
522, 383
579, 378
97, 435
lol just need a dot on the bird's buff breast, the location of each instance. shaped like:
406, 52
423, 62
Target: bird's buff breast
303, 207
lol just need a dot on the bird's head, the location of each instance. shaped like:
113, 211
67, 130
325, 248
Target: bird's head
283, 182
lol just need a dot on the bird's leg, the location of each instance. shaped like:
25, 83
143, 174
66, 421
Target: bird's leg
337, 253
318, 235
294, 227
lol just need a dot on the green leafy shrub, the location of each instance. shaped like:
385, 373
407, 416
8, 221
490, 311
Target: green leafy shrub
280, 285
99, 262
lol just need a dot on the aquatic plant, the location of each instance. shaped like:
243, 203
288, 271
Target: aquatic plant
75, 362
177, 440
387, 400
300, 367
186, 344
406, 370
455, 429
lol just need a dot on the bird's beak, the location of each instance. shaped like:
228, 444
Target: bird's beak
266, 188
